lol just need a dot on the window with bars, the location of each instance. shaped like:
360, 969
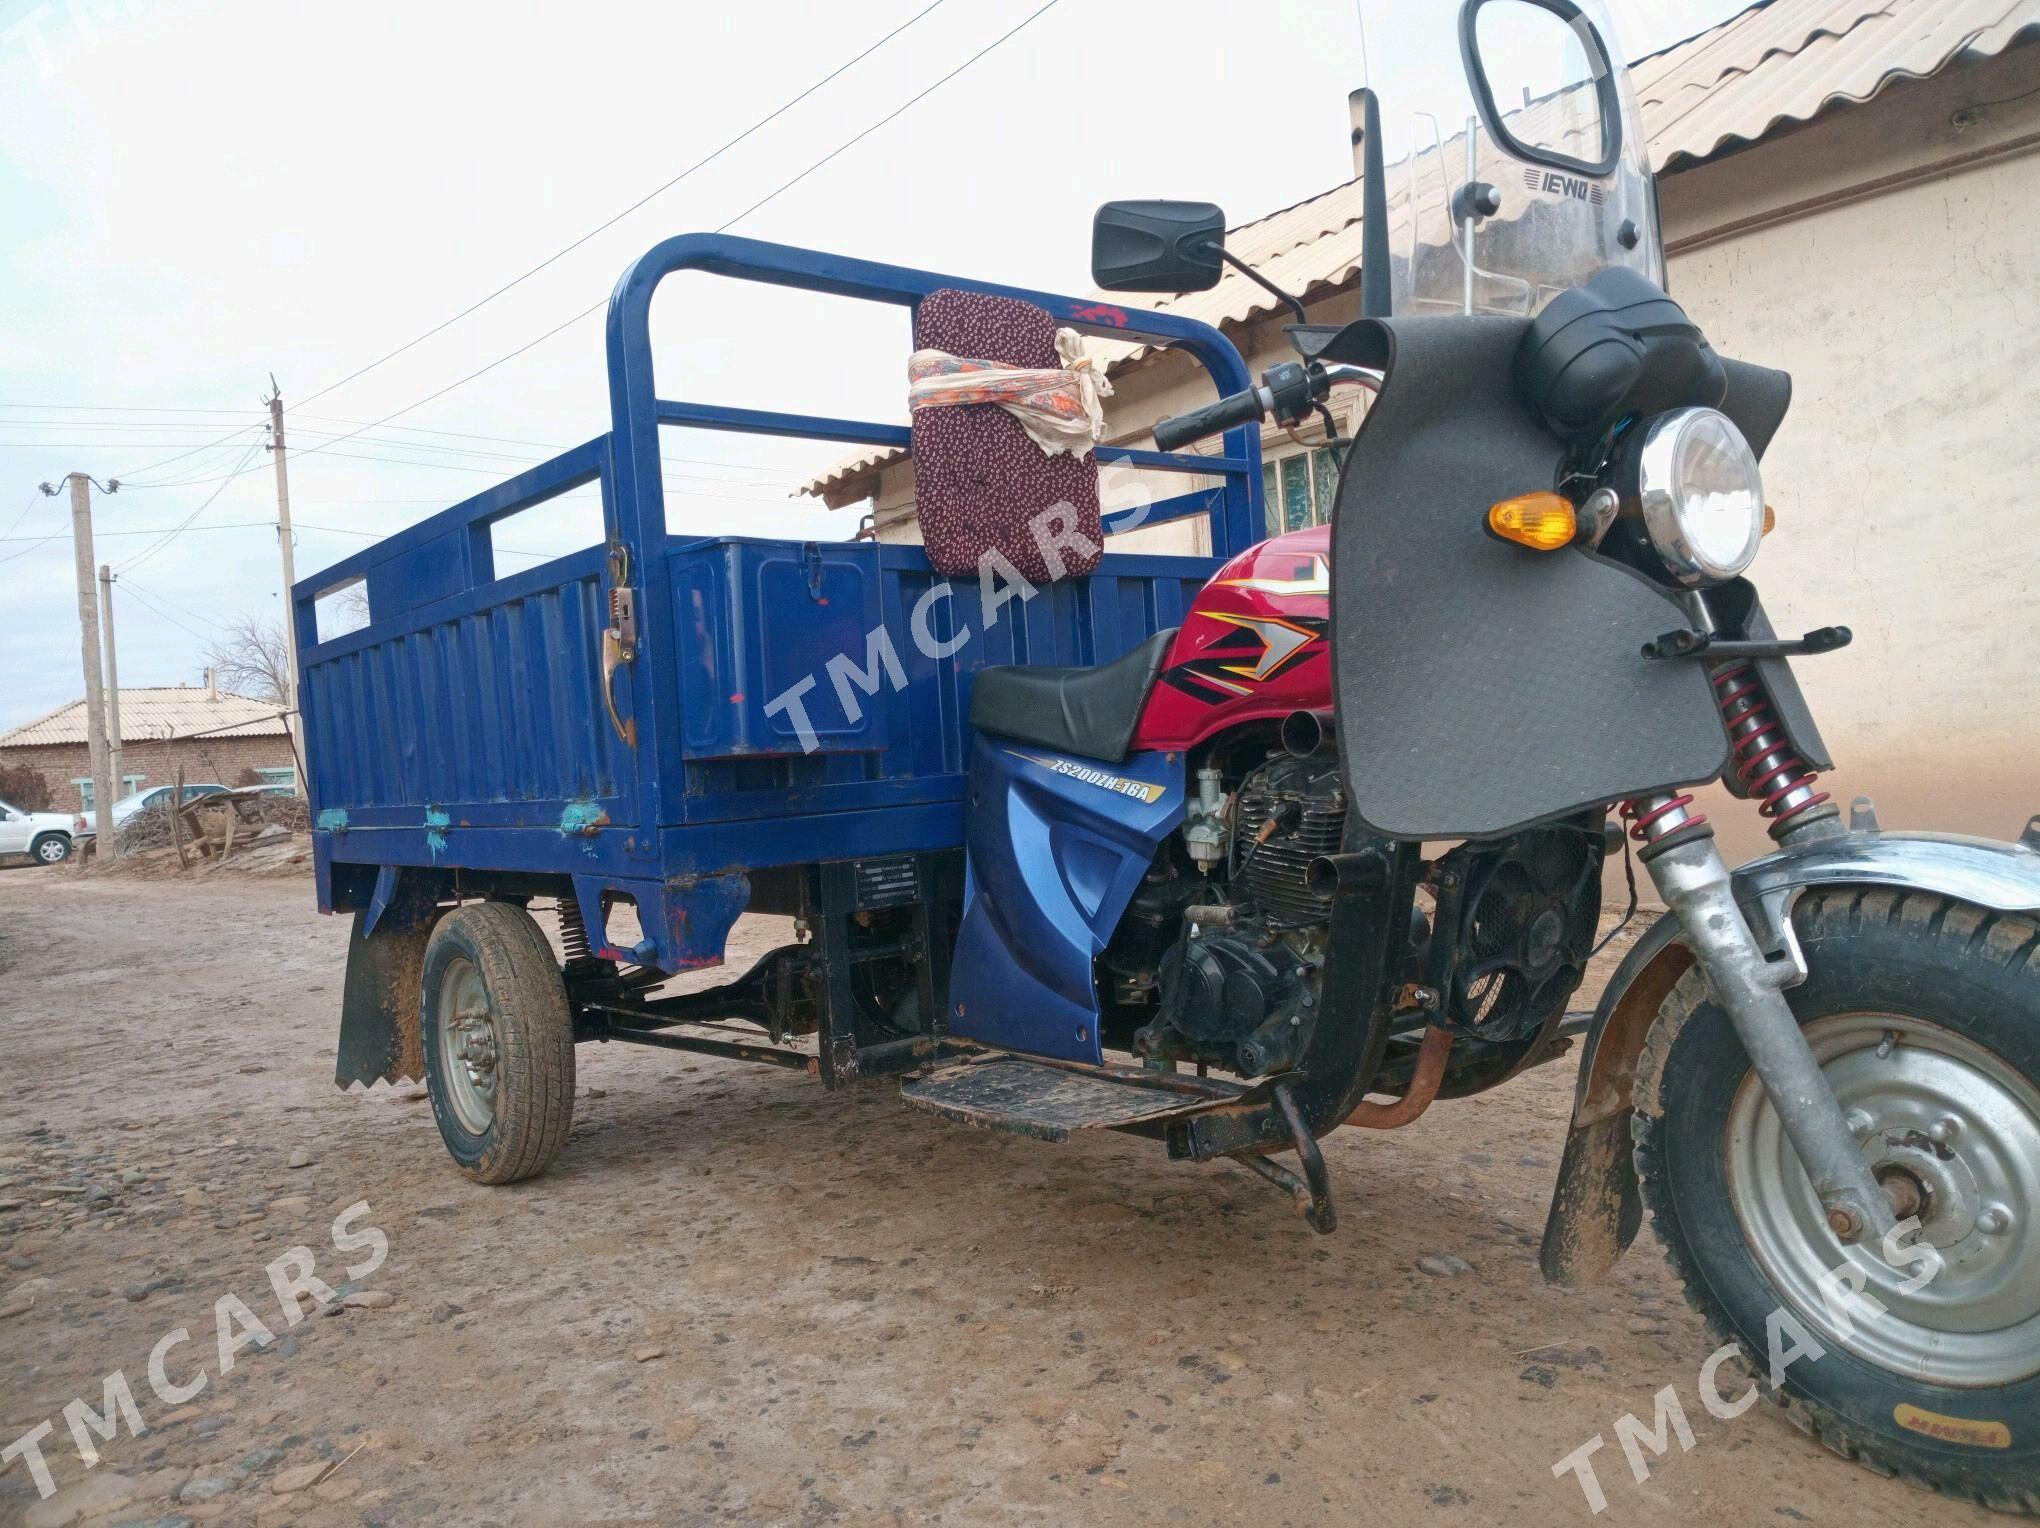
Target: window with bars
1299, 489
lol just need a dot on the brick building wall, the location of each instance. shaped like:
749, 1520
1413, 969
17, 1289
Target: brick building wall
218, 760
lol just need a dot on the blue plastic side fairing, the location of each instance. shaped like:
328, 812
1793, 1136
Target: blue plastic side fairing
1057, 846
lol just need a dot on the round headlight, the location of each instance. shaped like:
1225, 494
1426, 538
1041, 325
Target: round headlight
1702, 495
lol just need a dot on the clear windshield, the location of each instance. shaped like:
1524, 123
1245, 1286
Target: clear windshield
1516, 163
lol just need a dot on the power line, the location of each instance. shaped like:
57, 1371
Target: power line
538, 452
53, 445
33, 542
242, 470
782, 187
157, 530
33, 500
154, 547
117, 408
133, 472
134, 588
104, 424
496, 472
238, 525
698, 164
44, 541
534, 450
150, 606
544, 445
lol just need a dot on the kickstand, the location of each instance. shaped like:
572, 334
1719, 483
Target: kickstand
1313, 1191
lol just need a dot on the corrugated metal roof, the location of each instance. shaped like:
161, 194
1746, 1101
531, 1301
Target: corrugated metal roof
157, 714
1790, 60
1777, 63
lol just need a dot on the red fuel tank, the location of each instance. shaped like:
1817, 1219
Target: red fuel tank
1255, 645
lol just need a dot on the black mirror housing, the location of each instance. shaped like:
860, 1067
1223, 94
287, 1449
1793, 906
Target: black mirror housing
1157, 246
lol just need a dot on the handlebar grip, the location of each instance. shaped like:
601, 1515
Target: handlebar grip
1213, 419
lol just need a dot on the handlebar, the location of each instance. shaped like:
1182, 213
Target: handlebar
1213, 419
1287, 391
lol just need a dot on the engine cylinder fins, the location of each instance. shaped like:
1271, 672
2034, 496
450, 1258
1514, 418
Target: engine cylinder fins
1290, 813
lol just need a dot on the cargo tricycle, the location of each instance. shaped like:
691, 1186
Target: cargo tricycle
1228, 851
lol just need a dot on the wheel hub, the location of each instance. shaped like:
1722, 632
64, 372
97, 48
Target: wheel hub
1952, 1132
1927, 1181
467, 1046
475, 1044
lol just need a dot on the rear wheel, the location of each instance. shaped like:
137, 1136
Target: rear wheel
499, 1042
1925, 1016
51, 849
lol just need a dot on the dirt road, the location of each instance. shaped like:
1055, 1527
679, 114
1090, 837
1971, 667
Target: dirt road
738, 1298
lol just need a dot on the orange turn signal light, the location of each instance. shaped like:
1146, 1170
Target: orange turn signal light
1770, 519
1544, 522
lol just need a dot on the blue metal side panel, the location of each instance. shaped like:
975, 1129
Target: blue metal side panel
496, 708
1058, 846
755, 620
942, 632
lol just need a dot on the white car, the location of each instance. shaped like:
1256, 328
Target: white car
86, 823
44, 836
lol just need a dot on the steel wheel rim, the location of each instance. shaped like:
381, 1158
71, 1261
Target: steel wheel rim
1944, 1114
468, 1054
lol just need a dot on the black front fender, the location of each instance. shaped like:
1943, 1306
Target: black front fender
1596, 1208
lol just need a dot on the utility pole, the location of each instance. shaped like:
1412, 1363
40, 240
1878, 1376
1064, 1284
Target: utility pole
88, 644
284, 542
113, 743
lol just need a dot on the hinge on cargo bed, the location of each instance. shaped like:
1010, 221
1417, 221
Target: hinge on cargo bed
622, 601
619, 640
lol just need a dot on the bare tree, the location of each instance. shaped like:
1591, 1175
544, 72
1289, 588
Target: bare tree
252, 659
350, 610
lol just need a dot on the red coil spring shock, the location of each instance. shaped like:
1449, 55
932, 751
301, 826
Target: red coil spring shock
1764, 760
1643, 818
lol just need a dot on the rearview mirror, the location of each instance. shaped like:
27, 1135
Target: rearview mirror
1157, 246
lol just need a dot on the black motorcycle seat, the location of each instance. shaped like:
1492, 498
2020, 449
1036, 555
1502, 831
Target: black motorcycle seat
1090, 712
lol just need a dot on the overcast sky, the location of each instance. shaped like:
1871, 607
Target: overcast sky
198, 193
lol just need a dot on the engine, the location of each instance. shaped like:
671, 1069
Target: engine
1239, 987
1222, 954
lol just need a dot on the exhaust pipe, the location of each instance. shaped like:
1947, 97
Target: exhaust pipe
1305, 733
1362, 872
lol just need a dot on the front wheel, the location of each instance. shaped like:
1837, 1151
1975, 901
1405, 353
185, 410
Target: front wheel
499, 1042
1925, 1016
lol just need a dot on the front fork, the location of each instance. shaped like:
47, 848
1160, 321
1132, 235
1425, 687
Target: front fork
1680, 855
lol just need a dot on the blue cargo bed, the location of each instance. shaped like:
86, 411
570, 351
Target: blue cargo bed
465, 729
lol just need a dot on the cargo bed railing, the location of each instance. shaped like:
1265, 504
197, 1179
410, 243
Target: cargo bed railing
636, 410
536, 782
